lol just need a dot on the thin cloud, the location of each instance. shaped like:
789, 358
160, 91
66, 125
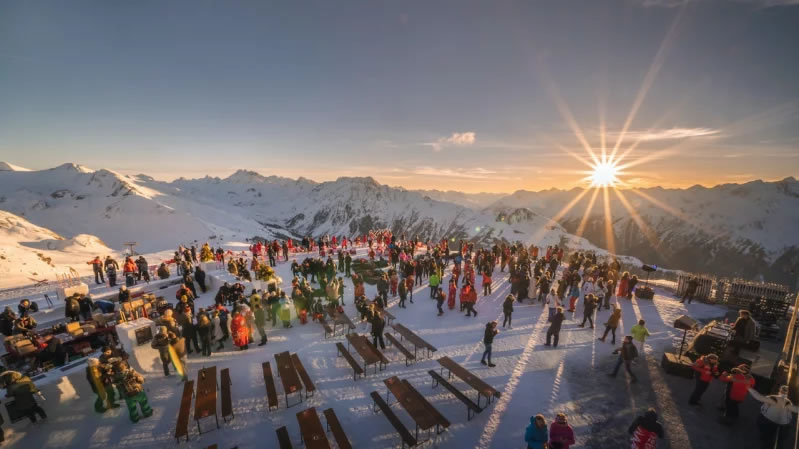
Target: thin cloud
670, 134
465, 173
454, 140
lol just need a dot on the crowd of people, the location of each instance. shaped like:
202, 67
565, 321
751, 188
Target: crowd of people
549, 277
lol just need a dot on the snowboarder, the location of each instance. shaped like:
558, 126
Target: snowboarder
130, 384
22, 389
101, 382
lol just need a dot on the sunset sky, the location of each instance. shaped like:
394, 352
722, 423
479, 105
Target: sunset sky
462, 95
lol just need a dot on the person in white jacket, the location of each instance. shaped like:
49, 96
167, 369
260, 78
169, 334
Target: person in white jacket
553, 302
775, 415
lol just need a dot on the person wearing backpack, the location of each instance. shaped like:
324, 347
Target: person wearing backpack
627, 353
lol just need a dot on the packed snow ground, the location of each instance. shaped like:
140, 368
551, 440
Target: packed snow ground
532, 378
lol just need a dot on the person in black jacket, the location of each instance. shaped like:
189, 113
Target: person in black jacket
72, 308
7, 319
507, 310
627, 353
554, 327
589, 305
86, 307
488, 339
26, 307
188, 331
378, 324
199, 276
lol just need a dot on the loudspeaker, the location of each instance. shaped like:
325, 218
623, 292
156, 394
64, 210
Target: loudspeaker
644, 293
679, 367
685, 323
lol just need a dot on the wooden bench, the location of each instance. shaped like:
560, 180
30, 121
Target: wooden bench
394, 342
418, 342
404, 433
338, 432
356, 369
441, 421
269, 382
283, 438
471, 407
306, 379
326, 326
227, 401
382, 358
482, 388
182, 426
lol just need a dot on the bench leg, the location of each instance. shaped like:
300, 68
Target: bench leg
217, 420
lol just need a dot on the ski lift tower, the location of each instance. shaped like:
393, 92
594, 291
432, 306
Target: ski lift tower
130, 246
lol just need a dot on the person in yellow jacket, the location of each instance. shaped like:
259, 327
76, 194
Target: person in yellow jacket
639, 333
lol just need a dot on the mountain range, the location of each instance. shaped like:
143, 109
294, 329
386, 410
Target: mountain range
729, 230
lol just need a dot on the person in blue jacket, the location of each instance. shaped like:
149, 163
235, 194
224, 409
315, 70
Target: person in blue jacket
536, 435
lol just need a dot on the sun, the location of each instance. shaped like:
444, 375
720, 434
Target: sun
604, 174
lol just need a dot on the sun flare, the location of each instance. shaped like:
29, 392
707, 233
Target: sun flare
604, 174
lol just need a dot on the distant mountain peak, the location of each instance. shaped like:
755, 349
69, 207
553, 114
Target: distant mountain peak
5, 166
72, 167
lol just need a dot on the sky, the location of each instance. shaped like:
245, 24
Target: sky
455, 95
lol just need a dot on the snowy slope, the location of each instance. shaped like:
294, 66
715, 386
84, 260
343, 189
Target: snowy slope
473, 200
731, 229
30, 252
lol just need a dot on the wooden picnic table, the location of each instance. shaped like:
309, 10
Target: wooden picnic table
417, 341
361, 345
416, 408
288, 375
311, 430
482, 388
205, 405
343, 320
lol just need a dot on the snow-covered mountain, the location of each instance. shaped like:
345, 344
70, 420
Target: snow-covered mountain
730, 229
70, 201
746, 230
473, 200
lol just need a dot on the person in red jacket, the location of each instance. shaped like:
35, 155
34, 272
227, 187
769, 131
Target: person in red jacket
97, 267
241, 334
486, 283
739, 383
706, 367
468, 298
453, 292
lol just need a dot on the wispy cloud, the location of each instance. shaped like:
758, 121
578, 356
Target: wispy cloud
670, 134
466, 173
454, 140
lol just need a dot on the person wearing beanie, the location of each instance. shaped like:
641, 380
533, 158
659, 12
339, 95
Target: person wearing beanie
488, 339
707, 367
561, 435
739, 382
536, 434
645, 430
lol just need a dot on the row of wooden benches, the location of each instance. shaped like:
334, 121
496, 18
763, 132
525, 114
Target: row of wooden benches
269, 382
307, 434
472, 408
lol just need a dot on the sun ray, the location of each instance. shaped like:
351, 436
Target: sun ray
676, 213
566, 114
554, 220
649, 78
587, 213
609, 238
649, 234
650, 157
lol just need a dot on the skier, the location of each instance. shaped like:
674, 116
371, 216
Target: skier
488, 339
645, 430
